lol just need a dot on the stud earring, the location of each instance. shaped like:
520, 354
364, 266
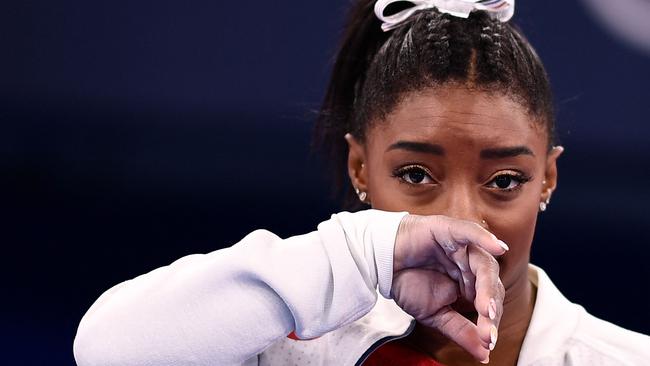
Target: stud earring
544, 205
362, 195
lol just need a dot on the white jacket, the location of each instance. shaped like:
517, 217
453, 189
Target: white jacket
236, 306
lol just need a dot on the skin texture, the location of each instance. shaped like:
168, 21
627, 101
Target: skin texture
434, 258
470, 135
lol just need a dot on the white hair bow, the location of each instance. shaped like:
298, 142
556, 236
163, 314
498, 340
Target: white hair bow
502, 10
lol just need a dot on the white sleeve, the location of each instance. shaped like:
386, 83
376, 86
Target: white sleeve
227, 306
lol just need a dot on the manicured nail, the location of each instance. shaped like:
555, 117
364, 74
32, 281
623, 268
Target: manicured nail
486, 361
503, 245
493, 337
492, 309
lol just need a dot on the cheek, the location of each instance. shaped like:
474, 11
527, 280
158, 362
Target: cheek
516, 227
384, 189
384, 198
386, 195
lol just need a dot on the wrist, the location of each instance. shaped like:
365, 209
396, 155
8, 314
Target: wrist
384, 228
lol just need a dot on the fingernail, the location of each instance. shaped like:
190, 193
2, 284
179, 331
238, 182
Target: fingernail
492, 309
503, 245
493, 337
486, 361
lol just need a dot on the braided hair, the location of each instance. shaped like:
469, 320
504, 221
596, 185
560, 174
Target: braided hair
374, 69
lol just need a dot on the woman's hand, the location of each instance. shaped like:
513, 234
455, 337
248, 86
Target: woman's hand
436, 260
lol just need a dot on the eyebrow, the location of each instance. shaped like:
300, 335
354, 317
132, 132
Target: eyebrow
435, 149
418, 147
505, 152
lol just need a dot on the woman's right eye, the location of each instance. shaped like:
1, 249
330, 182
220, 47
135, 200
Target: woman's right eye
414, 174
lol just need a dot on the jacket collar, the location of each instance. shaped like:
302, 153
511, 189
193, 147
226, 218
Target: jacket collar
385, 322
353, 343
543, 338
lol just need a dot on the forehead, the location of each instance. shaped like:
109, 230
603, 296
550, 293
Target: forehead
457, 116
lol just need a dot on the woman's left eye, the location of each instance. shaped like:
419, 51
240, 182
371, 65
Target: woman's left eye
508, 181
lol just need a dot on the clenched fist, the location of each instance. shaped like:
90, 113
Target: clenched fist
436, 260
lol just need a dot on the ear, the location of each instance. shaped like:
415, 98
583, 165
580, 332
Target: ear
357, 166
550, 177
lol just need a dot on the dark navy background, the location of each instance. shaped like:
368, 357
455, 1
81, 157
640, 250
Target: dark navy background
133, 133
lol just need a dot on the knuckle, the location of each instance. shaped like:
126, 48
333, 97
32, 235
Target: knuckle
486, 237
442, 320
492, 263
489, 266
501, 290
489, 263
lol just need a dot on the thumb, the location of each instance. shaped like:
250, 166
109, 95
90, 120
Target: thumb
460, 330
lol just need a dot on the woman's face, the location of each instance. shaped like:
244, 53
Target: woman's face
466, 154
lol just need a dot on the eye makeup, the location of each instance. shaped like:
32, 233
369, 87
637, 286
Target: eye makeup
414, 174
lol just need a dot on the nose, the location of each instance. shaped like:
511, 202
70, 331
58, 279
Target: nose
460, 201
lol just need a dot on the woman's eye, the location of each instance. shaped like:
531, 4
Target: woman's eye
414, 175
508, 182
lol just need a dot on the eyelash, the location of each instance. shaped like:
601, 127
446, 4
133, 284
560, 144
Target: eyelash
401, 172
519, 177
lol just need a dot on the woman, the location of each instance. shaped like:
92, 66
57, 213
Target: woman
443, 111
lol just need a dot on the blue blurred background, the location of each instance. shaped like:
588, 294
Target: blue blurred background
136, 132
